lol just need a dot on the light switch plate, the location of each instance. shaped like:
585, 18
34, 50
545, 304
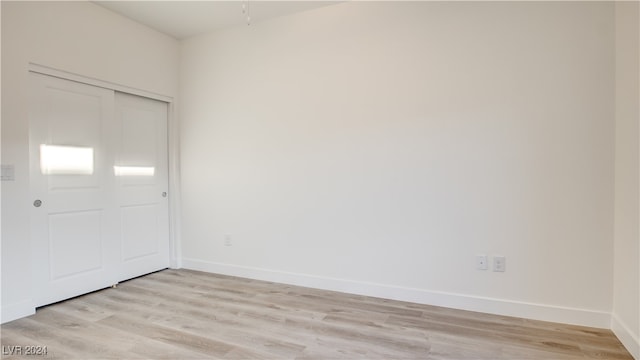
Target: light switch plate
499, 263
8, 173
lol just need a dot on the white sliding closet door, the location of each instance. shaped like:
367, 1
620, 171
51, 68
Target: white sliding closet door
74, 218
142, 171
98, 214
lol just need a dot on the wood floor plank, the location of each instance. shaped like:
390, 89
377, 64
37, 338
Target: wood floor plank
203, 344
194, 315
80, 343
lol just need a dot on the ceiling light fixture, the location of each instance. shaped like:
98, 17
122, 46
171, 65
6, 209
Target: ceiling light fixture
245, 10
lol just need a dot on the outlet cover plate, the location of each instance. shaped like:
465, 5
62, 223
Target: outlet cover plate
482, 263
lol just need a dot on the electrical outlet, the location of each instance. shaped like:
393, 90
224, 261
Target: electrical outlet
227, 240
482, 262
499, 263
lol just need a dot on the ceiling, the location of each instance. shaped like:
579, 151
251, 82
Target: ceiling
183, 19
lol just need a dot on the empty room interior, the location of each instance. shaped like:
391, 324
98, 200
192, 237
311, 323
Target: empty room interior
308, 179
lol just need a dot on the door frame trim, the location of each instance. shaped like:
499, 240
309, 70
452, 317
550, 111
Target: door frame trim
46, 70
173, 147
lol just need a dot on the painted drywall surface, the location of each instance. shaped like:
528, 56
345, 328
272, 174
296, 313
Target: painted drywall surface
389, 143
626, 304
77, 37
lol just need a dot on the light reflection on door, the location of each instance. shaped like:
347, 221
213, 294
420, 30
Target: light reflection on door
134, 170
66, 160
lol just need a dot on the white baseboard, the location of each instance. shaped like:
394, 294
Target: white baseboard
567, 315
16, 311
627, 337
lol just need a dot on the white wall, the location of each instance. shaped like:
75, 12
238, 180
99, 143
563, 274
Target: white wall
77, 37
377, 147
626, 290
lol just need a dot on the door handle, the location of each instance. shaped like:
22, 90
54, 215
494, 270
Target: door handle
164, 194
37, 203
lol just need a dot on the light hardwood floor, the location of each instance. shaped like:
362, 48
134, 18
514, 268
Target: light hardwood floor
182, 314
